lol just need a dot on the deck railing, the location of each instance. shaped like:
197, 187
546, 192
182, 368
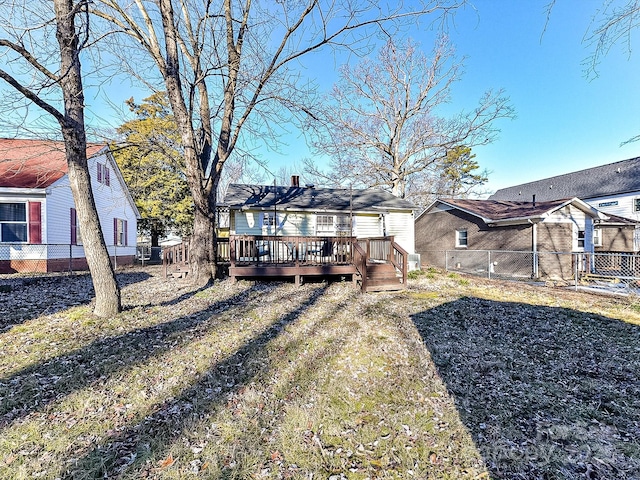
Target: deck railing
269, 250
178, 256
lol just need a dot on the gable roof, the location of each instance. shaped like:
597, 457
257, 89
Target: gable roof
311, 198
34, 163
497, 212
611, 179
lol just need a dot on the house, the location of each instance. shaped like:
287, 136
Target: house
296, 231
310, 211
614, 189
558, 226
39, 230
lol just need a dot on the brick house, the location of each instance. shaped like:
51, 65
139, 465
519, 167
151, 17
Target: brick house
614, 189
568, 225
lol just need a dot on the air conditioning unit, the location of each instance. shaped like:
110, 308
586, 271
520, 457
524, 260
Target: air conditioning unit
413, 261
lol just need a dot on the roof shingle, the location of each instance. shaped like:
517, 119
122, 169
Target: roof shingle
308, 198
611, 179
34, 163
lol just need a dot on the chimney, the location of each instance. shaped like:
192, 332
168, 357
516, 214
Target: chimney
295, 180
534, 200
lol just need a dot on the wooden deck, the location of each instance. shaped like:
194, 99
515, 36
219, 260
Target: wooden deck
373, 263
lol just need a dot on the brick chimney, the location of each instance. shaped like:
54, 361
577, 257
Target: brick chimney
295, 180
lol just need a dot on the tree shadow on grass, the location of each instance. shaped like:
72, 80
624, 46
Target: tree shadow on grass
34, 387
25, 298
546, 392
153, 435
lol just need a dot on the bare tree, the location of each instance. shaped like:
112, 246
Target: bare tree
231, 67
380, 125
40, 72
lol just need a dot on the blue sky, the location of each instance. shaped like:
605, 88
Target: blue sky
565, 122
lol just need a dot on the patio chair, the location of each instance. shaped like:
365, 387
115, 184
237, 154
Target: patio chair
262, 249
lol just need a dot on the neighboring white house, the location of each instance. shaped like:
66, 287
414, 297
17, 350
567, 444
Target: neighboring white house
39, 230
309, 211
613, 189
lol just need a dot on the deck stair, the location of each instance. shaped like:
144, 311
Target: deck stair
382, 277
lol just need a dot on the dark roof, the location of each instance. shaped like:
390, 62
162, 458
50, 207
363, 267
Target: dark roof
497, 210
611, 179
34, 163
311, 198
506, 212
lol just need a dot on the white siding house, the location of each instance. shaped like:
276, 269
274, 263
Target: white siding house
310, 211
39, 230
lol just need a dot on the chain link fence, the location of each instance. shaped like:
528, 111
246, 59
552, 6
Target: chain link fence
616, 270
44, 258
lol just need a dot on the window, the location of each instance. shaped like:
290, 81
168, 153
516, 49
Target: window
268, 222
597, 237
76, 238
580, 238
343, 224
461, 238
119, 232
636, 204
324, 224
103, 174
13, 222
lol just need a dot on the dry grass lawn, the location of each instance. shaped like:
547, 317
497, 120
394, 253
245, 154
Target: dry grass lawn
454, 378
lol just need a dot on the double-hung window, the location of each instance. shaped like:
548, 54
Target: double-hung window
13, 222
462, 239
119, 232
325, 225
76, 237
268, 222
104, 175
597, 237
636, 204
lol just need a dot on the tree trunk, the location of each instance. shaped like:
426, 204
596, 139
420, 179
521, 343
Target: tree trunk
74, 135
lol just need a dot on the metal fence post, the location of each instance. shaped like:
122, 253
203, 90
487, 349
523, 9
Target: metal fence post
489, 264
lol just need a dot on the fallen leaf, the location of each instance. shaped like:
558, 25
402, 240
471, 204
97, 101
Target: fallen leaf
167, 462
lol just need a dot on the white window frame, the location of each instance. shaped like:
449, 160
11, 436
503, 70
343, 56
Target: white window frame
636, 204
121, 232
327, 221
460, 237
597, 237
24, 222
343, 225
269, 222
581, 238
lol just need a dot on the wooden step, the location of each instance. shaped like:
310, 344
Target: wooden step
180, 272
381, 277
